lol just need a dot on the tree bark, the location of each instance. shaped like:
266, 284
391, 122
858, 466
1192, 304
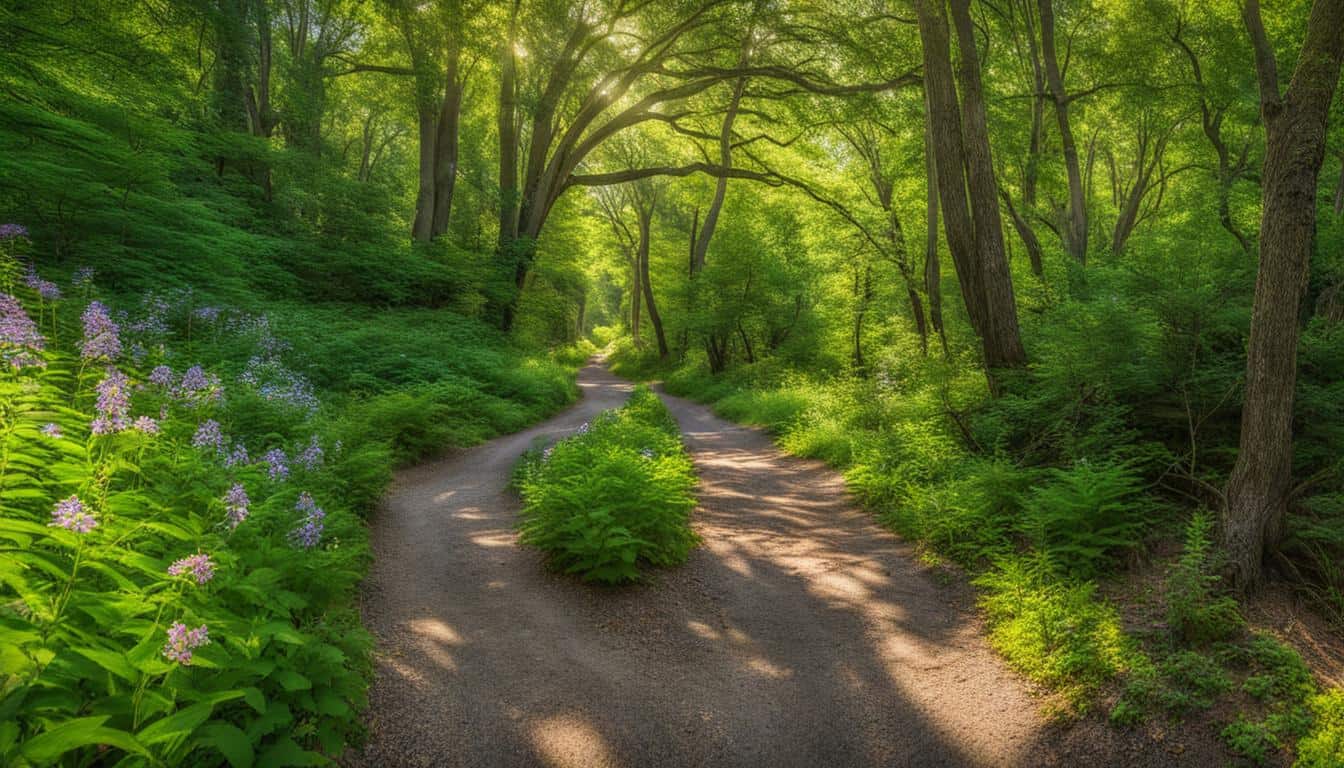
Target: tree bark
1002, 339
446, 142
1339, 188
645, 227
508, 169
1295, 134
932, 269
944, 118
1074, 231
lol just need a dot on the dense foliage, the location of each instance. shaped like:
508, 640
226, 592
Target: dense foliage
613, 499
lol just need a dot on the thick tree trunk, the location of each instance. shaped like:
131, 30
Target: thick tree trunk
932, 271
422, 228
1074, 229
1258, 489
944, 117
446, 142
1002, 340
645, 227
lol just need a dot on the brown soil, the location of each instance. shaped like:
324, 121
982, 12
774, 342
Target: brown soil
800, 634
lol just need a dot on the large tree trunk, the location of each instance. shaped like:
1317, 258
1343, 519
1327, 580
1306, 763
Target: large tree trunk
932, 271
944, 117
423, 226
645, 227
1074, 229
1002, 340
446, 142
1295, 122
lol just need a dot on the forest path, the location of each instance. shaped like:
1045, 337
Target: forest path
801, 633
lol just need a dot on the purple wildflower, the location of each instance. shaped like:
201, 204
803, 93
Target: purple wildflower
199, 566
71, 515
46, 289
83, 276
101, 335
311, 457
646, 453
275, 382
208, 314
277, 464
235, 504
12, 231
154, 321
19, 338
309, 532
208, 435
237, 457
113, 403
161, 376
145, 425
181, 641
198, 387
53, 430
583, 429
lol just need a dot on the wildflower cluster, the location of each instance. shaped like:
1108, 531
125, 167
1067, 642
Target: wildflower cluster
198, 387
102, 337
82, 277
45, 289
236, 505
182, 641
277, 464
275, 381
12, 231
19, 338
311, 456
113, 404
71, 515
309, 532
199, 567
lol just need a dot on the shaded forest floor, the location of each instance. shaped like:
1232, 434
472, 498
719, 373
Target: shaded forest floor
800, 633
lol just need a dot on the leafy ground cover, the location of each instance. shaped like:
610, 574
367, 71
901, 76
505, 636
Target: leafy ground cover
184, 487
614, 499
1039, 540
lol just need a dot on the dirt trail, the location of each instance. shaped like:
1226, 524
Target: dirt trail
800, 634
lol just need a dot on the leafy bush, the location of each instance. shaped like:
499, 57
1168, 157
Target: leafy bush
1196, 613
1323, 746
1082, 516
614, 498
1055, 633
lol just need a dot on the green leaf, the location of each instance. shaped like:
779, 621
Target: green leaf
73, 734
181, 722
231, 742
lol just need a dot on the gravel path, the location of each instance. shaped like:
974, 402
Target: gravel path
800, 634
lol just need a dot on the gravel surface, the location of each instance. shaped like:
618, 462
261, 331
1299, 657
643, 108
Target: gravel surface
800, 634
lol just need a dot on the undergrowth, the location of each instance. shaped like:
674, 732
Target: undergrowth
613, 499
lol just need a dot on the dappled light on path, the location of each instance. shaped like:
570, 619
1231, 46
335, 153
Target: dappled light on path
800, 634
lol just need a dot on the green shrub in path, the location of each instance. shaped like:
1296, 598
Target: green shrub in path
614, 498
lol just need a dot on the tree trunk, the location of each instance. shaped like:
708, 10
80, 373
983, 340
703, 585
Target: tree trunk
508, 168
1295, 123
422, 228
1002, 340
446, 142
932, 272
1028, 236
645, 226
701, 248
944, 118
1074, 231
636, 295
1339, 188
